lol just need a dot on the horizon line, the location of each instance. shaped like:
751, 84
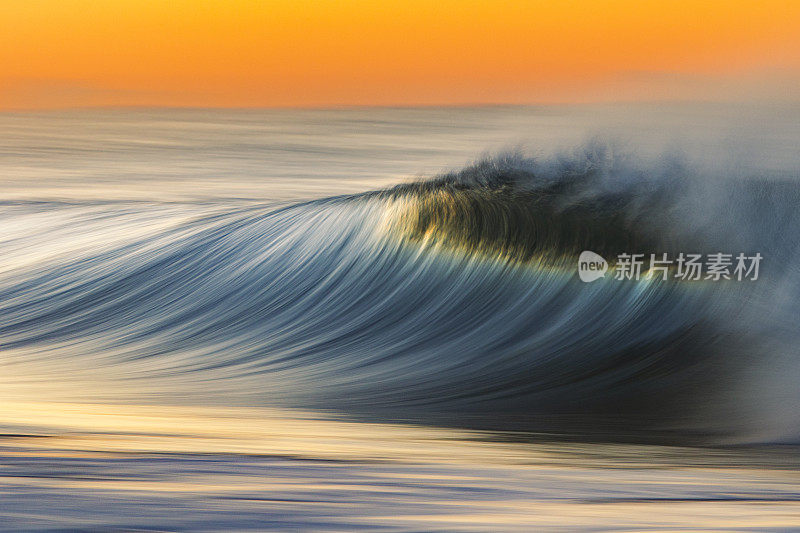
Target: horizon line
400, 106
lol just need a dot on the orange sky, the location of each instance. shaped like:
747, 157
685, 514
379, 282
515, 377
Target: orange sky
64, 53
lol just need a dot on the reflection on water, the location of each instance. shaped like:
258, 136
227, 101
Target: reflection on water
111, 467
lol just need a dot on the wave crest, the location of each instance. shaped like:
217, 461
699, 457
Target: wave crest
309, 305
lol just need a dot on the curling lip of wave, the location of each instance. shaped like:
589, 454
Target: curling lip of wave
508, 207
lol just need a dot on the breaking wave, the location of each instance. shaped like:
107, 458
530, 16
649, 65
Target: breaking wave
452, 300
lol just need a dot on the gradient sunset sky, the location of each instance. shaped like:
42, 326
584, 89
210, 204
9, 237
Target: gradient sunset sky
275, 53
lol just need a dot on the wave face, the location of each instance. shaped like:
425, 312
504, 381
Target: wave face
453, 300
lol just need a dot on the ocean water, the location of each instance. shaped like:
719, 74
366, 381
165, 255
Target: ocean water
334, 320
